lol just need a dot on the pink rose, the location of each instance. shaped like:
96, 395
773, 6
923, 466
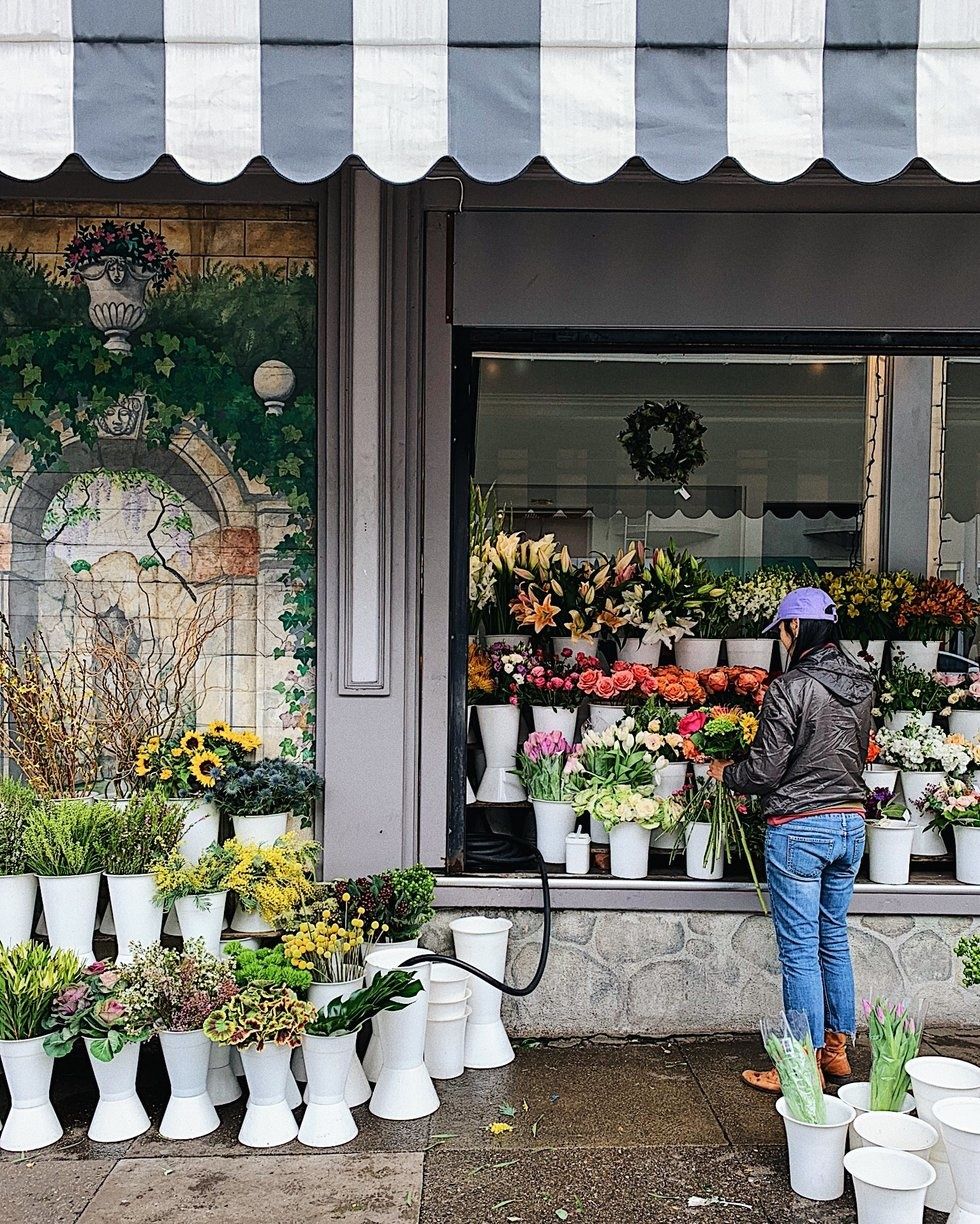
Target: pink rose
623, 681
605, 688
691, 723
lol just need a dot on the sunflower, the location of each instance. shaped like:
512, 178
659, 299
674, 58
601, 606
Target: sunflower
204, 766
248, 741
142, 765
166, 774
152, 744
219, 728
192, 741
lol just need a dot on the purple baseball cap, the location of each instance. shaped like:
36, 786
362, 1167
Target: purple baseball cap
806, 603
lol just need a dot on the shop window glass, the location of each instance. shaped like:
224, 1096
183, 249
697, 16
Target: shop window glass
784, 480
960, 557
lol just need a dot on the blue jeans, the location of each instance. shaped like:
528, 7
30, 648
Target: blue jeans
811, 864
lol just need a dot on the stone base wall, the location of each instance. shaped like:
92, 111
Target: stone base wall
657, 974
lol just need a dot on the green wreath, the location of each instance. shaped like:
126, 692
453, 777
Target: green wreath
673, 466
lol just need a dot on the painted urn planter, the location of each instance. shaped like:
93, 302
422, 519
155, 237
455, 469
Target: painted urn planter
117, 299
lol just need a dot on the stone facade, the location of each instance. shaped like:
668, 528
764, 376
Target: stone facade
656, 974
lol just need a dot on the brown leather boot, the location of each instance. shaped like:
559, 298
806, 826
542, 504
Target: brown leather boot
832, 1059
768, 1081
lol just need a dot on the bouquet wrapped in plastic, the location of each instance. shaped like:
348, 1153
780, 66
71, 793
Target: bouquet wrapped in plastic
789, 1044
895, 1033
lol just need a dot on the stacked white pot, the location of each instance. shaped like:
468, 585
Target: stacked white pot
934, 1080
445, 1029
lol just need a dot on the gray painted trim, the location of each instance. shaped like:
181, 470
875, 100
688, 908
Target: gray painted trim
685, 896
907, 486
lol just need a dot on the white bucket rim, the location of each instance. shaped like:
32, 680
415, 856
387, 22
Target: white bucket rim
393, 958
925, 1068
443, 973
463, 1015
834, 1104
869, 1120
920, 1172
948, 1111
477, 924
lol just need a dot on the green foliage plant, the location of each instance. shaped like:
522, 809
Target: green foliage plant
266, 787
262, 1014
65, 837
31, 978
17, 802
397, 903
267, 966
140, 832
968, 950
390, 991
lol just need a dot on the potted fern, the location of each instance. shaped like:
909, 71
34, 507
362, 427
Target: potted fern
261, 797
64, 846
18, 886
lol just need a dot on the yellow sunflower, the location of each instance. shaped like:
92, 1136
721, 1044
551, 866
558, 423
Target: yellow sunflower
142, 765
218, 727
204, 767
152, 744
192, 741
176, 753
248, 740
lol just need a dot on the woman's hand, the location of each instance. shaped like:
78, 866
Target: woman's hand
717, 769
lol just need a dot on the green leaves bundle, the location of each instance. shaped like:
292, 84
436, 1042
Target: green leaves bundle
139, 834
790, 1046
390, 991
895, 1032
268, 966
261, 1015
16, 804
65, 837
31, 977
968, 950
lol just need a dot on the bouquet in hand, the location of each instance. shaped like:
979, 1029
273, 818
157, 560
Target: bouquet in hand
895, 1032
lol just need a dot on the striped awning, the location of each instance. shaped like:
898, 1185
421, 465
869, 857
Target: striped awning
868, 85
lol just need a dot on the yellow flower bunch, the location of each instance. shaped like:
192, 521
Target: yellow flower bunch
274, 880
750, 726
329, 949
190, 763
867, 602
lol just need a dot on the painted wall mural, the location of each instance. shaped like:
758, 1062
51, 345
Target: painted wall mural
158, 474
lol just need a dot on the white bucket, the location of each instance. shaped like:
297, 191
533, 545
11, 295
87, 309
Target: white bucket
875, 648
373, 1055
602, 715
448, 984
695, 654
445, 1040
190, 1112
816, 1153
598, 833
553, 718
136, 915
881, 777
898, 720
858, 1096
959, 1123
200, 827
404, 1089
890, 1186
202, 917
899, 1131
967, 853
924, 656
328, 1121
70, 906
268, 1118
749, 652
965, 723
357, 1090
672, 778
450, 1011
890, 851
629, 851
552, 824
223, 1085
635, 650
698, 835
482, 942
915, 782
935, 1079
18, 894
499, 730
119, 1114
31, 1122
260, 830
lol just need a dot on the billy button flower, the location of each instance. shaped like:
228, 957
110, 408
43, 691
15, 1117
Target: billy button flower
204, 767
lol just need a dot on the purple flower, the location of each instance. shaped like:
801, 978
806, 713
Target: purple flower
901, 1009
866, 1008
545, 743
71, 1000
879, 1012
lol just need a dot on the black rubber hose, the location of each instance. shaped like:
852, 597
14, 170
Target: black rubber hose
516, 992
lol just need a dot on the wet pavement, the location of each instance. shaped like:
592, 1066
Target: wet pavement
602, 1132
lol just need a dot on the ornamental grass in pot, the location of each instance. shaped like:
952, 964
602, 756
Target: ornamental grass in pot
31, 978
541, 769
174, 992
18, 886
64, 844
260, 797
93, 1010
197, 892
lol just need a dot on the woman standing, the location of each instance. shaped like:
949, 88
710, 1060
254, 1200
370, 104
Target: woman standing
806, 765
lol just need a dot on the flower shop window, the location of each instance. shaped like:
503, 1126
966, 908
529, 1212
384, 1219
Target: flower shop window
960, 551
783, 478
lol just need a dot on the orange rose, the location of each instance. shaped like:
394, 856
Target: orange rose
623, 681
605, 688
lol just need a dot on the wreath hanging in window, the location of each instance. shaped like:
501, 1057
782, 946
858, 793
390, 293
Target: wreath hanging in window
672, 466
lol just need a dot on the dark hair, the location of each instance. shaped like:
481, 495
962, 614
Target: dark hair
812, 634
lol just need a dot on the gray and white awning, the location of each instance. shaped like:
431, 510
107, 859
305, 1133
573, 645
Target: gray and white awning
868, 85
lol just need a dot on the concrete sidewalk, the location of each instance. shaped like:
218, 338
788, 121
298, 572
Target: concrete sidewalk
606, 1133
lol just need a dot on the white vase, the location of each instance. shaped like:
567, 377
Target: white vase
499, 727
564, 642
629, 851
200, 826
696, 654
967, 839
18, 894
749, 652
816, 1153
268, 1120
875, 648
250, 924
450, 1011
552, 823
328, 1121
32, 1122
190, 1112
136, 915
965, 723
603, 715
202, 916
900, 719
447, 984
70, 906
665, 841
890, 1187
881, 777
933, 1080
373, 1055
404, 1089
858, 1095
598, 833
223, 1085
698, 835
445, 1045
357, 1090
260, 830
577, 853
671, 779
635, 650
959, 1124
898, 1131
482, 942
889, 851
915, 782
552, 718
119, 1114
923, 656
701, 769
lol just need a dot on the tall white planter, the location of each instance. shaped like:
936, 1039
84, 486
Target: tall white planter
482, 942
875, 648
18, 894
223, 1085
629, 851
602, 715
70, 906
31, 1122
898, 720
119, 1114
890, 1187
915, 782
816, 1153
933, 1080
598, 833
749, 652
695, 852
552, 718
136, 915
959, 1123
200, 827
671, 780
965, 723
328, 1121
881, 777
499, 728
260, 830
357, 1090
373, 1055
635, 650
404, 1089
447, 984
967, 853
890, 851
922, 655
268, 1119
202, 917
695, 654
858, 1095
552, 824
190, 1112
